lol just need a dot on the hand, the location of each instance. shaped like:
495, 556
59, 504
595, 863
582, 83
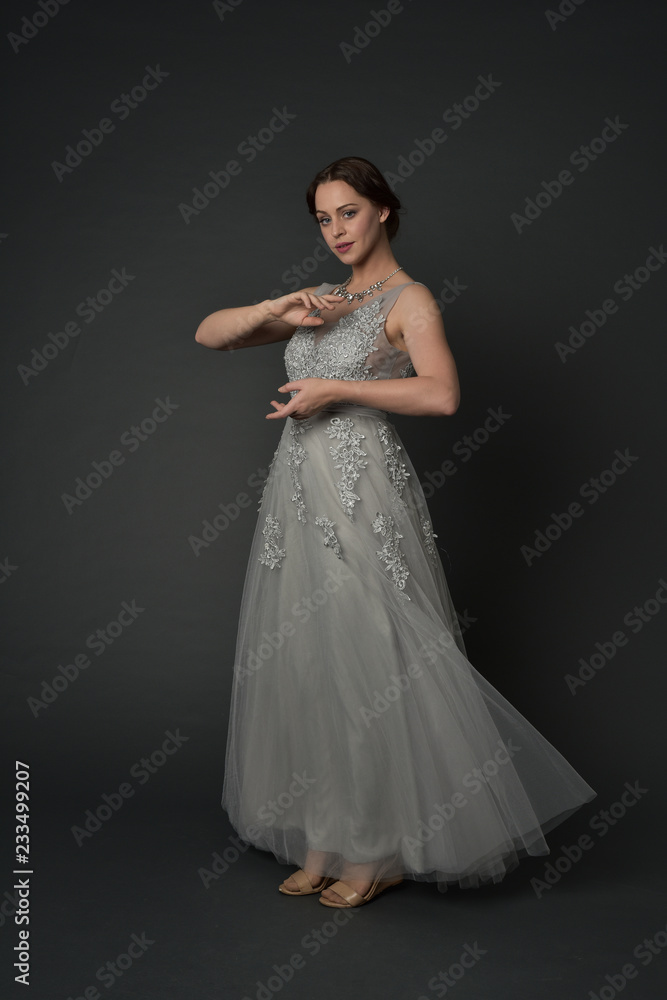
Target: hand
295, 306
313, 395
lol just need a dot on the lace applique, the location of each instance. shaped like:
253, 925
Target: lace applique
272, 554
329, 537
261, 499
407, 370
341, 353
295, 456
398, 474
348, 457
390, 552
429, 535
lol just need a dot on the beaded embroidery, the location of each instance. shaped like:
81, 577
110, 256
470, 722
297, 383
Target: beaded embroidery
272, 554
396, 470
329, 537
429, 535
295, 456
341, 353
390, 552
348, 457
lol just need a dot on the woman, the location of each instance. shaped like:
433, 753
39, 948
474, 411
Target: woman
363, 746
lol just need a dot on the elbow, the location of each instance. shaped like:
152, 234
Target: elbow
449, 402
451, 408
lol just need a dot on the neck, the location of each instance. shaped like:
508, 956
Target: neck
374, 268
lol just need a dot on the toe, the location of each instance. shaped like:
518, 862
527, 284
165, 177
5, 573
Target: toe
333, 896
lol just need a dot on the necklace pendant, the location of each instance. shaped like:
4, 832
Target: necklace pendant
351, 296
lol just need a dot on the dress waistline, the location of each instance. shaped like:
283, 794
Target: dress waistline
370, 411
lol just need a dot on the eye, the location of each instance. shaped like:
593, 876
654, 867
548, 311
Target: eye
325, 218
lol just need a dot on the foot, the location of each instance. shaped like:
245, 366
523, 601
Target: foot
311, 858
358, 877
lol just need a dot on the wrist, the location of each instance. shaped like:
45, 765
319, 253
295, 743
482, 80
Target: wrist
339, 391
265, 311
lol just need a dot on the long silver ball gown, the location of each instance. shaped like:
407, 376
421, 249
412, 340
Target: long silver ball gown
358, 727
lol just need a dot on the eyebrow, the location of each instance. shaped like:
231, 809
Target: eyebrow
339, 209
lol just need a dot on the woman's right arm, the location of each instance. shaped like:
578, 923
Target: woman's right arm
263, 323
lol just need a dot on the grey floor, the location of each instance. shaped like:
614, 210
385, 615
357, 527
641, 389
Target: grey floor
149, 883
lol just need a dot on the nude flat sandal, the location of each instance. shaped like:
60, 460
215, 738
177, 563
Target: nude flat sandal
354, 898
305, 885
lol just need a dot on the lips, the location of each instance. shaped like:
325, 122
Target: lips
343, 246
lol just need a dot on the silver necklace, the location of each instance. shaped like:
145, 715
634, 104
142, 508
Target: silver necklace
351, 296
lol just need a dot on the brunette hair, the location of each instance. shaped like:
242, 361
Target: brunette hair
366, 180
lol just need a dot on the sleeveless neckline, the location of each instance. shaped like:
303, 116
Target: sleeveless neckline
370, 302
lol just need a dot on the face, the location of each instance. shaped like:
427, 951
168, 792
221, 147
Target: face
350, 223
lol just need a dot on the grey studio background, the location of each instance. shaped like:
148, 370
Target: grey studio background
134, 460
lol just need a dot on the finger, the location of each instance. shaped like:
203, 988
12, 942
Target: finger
287, 410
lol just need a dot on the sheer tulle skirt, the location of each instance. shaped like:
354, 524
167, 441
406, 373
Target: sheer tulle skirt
358, 728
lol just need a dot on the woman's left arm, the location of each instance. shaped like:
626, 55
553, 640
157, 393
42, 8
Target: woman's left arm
434, 392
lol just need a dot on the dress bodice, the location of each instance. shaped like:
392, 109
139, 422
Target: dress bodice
352, 347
